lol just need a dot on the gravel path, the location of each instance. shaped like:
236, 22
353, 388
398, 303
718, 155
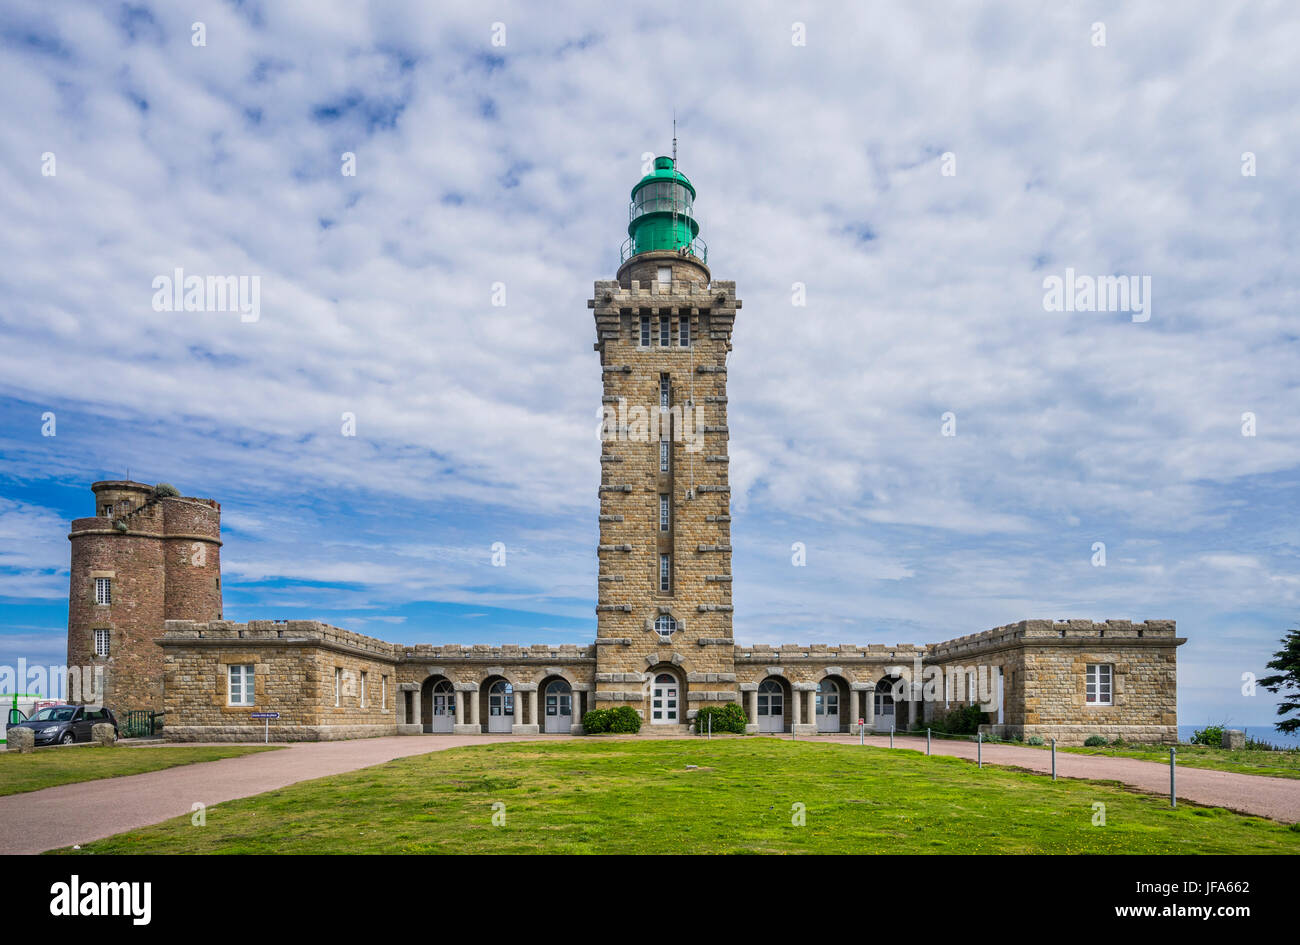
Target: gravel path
91, 810
1275, 798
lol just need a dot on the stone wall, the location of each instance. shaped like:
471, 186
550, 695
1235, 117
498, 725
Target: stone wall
294, 674
1045, 664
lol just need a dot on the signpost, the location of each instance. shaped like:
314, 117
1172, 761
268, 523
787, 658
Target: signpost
266, 716
862, 726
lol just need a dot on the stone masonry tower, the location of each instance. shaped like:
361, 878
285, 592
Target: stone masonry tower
145, 557
664, 637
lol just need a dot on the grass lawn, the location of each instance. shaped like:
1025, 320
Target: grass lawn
47, 767
1273, 764
635, 796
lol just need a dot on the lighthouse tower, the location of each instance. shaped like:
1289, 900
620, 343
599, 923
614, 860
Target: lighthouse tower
663, 330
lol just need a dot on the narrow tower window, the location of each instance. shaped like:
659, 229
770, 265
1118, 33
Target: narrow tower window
338, 685
665, 391
645, 331
663, 513
663, 456
665, 573
103, 590
665, 331
101, 643
362, 695
684, 331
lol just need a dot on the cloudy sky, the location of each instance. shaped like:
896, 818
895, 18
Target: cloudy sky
497, 144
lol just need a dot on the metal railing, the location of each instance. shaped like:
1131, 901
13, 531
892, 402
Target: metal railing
141, 723
696, 248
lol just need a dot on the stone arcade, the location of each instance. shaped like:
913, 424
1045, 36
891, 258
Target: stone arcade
145, 597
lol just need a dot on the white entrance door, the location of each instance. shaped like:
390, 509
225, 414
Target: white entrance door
501, 707
559, 708
771, 706
663, 700
884, 711
828, 706
444, 707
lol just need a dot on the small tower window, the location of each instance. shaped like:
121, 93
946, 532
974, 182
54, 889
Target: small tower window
684, 331
663, 455
665, 391
645, 331
665, 331
105, 511
663, 513
665, 626
103, 590
361, 696
101, 643
665, 573
665, 275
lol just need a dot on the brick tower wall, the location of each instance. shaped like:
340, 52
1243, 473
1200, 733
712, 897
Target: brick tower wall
149, 558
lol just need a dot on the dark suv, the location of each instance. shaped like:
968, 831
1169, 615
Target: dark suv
65, 724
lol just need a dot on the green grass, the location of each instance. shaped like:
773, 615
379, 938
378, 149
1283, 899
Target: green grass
1273, 764
47, 767
630, 796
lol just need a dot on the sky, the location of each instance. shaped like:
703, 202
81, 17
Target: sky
891, 186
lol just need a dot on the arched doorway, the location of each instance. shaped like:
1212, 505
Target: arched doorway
885, 706
438, 705
830, 702
500, 706
665, 699
557, 707
771, 705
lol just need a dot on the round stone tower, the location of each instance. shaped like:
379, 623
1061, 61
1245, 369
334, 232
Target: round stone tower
145, 557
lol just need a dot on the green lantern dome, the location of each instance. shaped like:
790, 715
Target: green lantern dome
662, 215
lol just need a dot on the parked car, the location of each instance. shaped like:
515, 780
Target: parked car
65, 724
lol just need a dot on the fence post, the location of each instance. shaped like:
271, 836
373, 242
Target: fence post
979, 750
891, 736
927, 741
1053, 759
1173, 783
862, 734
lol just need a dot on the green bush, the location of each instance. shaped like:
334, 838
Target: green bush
1035, 739
596, 722
165, 490
962, 720
1211, 735
727, 718
624, 721
1094, 741
620, 721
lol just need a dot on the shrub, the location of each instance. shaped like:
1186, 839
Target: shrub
620, 721
624, 721
1035, 739
165, 490
1211, 735
1094, 741
963, 720
727, 718
596, 722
